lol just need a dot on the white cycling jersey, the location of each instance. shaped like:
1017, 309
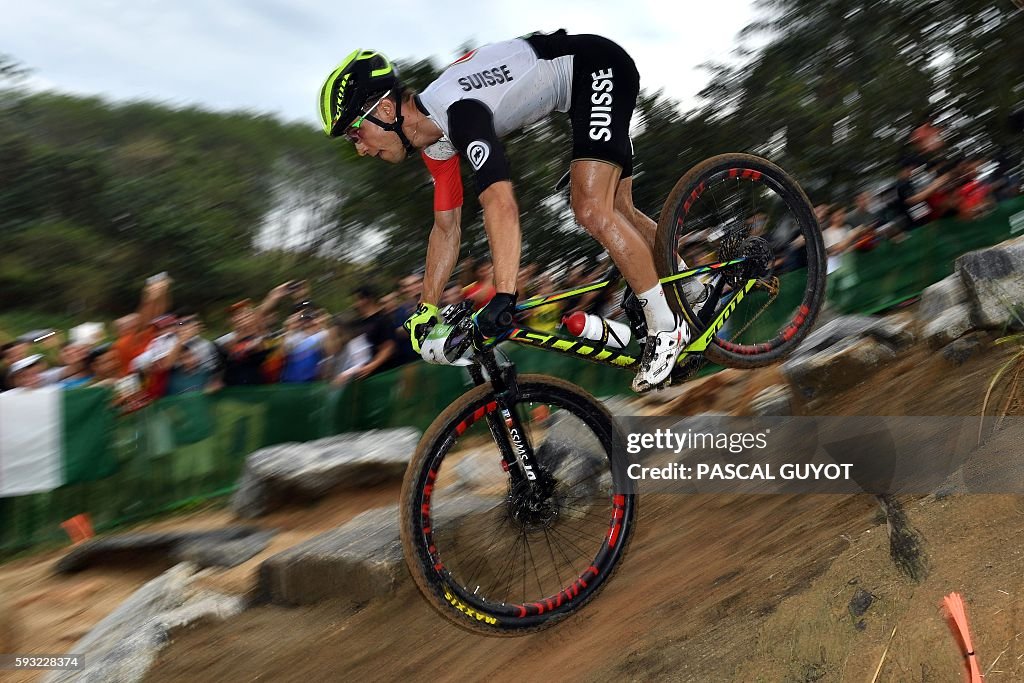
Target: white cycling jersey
517, 87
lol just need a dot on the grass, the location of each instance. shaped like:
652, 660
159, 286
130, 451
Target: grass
1014, 368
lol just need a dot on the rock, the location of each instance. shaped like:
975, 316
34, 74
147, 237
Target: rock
994, 281
960, 350
310, 470
896, 334
227, 547
202, 607
837, 367
569, 439
124, 644
860, 602
125, 654
480, 469
941, 297
845, 351
775, 400
224, 550
254, 497
896, 331
359, 560
948, 326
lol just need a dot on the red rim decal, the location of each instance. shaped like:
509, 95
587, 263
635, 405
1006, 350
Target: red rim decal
556, 601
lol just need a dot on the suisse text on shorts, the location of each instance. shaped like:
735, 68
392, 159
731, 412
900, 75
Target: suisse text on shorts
736, 442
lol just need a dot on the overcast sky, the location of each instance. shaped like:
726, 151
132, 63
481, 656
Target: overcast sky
271, 55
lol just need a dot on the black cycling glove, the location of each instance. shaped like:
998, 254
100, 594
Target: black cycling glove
496, 316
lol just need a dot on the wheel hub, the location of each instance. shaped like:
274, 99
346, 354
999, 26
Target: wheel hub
533, 506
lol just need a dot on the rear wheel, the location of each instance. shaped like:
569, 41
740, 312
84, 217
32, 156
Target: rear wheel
738, 207
506, 557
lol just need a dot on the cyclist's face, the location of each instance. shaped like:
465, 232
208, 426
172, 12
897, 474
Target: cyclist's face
372, 140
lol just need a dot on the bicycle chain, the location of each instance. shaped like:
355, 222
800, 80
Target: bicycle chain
772, 286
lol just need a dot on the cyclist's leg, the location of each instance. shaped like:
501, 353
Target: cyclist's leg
593, 201
593, 195
637, 218
692, 288
605, 87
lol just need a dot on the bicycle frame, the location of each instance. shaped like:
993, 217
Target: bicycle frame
602, 354
506, 426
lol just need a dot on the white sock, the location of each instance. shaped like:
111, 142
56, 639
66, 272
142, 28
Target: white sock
659, 315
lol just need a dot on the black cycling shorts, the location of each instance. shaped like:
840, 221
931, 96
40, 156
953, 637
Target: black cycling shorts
605, 85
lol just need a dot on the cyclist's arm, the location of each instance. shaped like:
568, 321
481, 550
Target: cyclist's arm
446, 235
501, 221
442, 252
472, 132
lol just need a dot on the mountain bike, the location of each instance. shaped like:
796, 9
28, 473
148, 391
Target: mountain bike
512, 516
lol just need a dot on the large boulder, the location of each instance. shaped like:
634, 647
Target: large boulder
896, 332
228, 547
359, 560
837, 367
844, 352
124, 645
776, 400
939, 298
994, 280
948, 326
308, 471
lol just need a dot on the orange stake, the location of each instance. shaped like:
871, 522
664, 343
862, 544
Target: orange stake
956, 617
78, 528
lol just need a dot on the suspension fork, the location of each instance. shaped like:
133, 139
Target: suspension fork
517, 454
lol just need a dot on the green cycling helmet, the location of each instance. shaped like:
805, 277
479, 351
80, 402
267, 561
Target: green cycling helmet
363, 75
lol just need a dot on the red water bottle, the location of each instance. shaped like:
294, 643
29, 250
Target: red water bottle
597, 329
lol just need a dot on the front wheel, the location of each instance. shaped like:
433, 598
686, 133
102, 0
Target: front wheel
754, 230
500, 555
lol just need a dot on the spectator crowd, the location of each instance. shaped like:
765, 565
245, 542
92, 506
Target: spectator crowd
285, 338
932, 182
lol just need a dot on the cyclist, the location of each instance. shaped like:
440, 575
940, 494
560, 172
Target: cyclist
486, 94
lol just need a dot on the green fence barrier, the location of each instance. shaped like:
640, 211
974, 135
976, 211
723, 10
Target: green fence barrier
871, 281
192, 447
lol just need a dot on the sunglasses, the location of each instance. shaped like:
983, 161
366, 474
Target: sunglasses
352, 134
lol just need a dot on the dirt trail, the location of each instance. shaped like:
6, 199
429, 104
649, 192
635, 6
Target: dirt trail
47, 613
715, 588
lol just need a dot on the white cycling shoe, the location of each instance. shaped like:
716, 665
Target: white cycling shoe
660, 354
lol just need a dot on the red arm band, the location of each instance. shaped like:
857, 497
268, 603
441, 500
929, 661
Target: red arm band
447, 182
